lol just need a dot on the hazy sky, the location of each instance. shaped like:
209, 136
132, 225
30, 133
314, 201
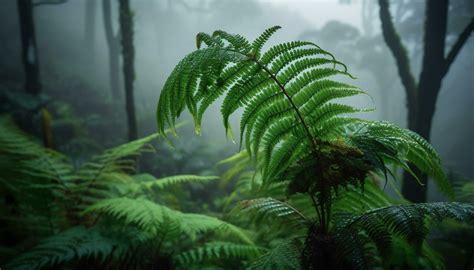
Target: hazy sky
333, 10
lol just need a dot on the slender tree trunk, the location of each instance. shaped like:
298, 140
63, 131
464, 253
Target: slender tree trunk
29, 48
89, 27
114, 51
428, 88
128, 54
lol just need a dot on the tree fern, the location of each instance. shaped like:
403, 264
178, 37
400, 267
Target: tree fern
301, 138
254, 82
288, 98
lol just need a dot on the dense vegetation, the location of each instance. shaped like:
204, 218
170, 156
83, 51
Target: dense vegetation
306, 193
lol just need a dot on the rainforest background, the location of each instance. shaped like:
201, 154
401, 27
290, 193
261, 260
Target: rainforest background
78, 77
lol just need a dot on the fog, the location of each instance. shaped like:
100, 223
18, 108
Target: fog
74, 62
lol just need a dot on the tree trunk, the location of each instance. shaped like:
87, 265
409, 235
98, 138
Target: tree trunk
29, 48
422, 98
128, 54
89, 28
114, 51
412, 189
421, 116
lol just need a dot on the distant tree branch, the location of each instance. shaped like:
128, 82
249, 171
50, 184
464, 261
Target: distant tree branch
463, 37
50, 2
394, 43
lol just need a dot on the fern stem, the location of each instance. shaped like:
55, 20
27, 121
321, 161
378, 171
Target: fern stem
321, 210
318, 213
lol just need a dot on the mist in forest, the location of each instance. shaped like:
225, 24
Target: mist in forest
73, 57
89, 177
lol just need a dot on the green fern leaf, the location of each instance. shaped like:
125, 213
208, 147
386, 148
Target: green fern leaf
164, 182
217, 251
285, 255
71, 245
158, 220
274, 208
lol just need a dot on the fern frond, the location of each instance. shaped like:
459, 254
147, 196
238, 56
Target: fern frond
217, 251
36, 177
270, 207
466, 192
284, 94
262, 39
107, 175
159, 220
237, 42
143, 213
407, 221
164, 182
355, 201
285, 255
71, 245
400, 146
463, 187
354, 248
118, 159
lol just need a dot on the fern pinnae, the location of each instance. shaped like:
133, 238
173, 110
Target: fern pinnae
217, 251
409, 220
154, 218
164, 182
268, 96
275, 208
208, 40
279, 51
285, 255
238, 42
262, 39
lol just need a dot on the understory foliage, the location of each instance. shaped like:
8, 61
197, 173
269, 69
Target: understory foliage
102, 215
314, 162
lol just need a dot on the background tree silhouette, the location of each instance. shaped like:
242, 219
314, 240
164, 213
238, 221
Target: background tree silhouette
422, 95
113, 44
29, 49
128, 54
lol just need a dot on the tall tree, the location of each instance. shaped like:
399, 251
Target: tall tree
28, 47
114, 50
422, 95
89, 27
128, 54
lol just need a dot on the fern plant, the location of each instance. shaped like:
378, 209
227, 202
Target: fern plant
102, 215
290, 217
297, 134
